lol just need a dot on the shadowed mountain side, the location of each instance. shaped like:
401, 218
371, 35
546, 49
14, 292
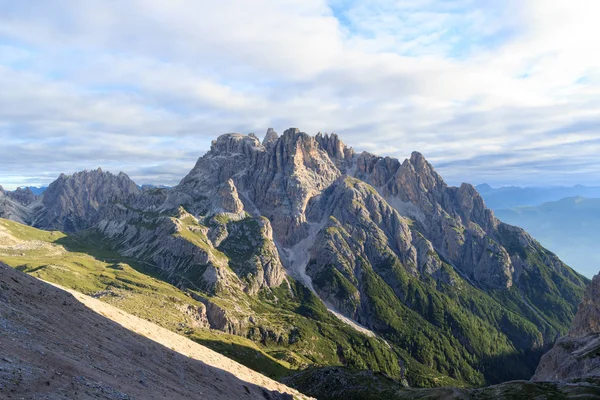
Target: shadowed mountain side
54, 347
341, 383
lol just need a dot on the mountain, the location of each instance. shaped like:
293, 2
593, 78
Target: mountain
336, 258
72, 203
515, 196
568, 227
65, 350
17, 205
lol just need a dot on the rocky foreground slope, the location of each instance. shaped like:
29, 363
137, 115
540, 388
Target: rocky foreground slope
54, 346
304, 224
576, 355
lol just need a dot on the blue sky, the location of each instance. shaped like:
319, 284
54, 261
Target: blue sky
499, 92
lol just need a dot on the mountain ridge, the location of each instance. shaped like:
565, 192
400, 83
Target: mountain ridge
424, 265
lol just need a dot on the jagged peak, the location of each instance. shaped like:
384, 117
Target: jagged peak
292, 132
417, 159
332, 144
234, 143
293, 137
419, 165
96, 176
270, 137
468, 188
23, 190
92, 172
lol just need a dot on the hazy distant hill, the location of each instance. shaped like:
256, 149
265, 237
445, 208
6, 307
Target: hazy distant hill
568, 227
515, 196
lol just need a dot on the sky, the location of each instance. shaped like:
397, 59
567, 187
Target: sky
503, 92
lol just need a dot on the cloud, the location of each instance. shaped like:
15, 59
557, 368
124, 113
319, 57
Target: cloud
487, 91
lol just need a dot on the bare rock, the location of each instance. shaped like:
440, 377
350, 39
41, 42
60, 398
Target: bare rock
270, 137
576, 355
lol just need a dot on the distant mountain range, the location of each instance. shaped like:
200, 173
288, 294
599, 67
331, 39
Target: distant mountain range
568, 227
562, 218
515, 196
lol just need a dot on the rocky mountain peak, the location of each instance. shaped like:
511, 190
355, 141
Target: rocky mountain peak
429, 179
231, 143
73, 202
385, 243
335, 148
294, 170
270, 137
291, 132
418, 159
22, 196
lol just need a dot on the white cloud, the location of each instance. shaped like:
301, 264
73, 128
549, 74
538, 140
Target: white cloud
483, 89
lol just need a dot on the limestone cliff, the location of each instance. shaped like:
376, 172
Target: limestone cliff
576, 355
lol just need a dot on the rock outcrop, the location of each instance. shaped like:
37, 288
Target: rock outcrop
576, 355
270, 137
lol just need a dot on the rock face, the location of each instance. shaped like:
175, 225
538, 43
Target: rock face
73, 203
384, 243
22, 196
270, 137
576, 355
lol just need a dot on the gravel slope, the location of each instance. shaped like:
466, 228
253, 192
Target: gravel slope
59, 344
